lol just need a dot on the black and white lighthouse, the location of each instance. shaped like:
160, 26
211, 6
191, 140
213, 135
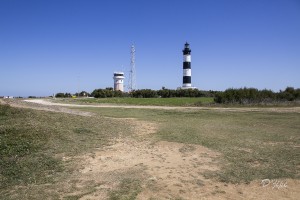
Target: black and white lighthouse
187, 72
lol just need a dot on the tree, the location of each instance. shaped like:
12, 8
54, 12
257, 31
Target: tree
144, 93
84, 94
106, 93
60, 95
253, 95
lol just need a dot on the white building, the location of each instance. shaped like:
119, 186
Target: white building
119, 81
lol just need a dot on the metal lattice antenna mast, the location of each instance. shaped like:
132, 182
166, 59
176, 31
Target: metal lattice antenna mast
132, 77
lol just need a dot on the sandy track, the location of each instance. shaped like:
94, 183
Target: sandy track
42, 106
243, 109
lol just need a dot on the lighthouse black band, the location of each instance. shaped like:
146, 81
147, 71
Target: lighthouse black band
186, 51
187, 79
186, 65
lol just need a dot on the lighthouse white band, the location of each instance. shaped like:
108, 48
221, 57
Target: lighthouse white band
187, 72
186, 85
186, 58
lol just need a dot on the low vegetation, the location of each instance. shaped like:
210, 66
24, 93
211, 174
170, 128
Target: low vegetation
248, 96
128, 189
148, 93
69, 95
33, 144
108, 93
242, 96
21, 143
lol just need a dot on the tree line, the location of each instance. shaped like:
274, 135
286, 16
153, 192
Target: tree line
69, 95
148, 93
229, 96
255, 96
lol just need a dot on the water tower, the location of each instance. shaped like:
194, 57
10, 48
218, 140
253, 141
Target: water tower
119, 81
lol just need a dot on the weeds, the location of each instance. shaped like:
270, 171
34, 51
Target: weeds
127, 190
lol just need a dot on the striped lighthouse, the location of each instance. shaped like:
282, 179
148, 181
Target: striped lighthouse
187, 72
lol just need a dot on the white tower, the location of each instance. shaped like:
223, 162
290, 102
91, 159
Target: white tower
119, 81
132, 80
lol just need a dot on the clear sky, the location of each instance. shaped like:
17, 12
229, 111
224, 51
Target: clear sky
50, 46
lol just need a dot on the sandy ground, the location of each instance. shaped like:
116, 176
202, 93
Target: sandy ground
167, 170
276, 109
170, 170
40, 104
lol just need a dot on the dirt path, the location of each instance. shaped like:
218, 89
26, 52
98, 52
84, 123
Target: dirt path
274, 109
42, 106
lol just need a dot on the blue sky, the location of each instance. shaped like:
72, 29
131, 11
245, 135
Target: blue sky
50, 46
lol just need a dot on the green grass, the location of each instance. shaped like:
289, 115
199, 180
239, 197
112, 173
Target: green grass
143, 101
32, 144
128, 189
254, 145
21, 161
182, 102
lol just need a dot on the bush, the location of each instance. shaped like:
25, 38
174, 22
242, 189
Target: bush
82, 94
63, 95
148, 93
145, 93
255, 96
106, 93
60, 95
166, 93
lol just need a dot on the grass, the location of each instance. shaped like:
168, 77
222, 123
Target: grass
33, 143
254, 145
175, 101
128, 189
22, 162
143, 101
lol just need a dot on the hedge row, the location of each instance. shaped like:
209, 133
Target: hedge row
148, 93
229, 96
255, 96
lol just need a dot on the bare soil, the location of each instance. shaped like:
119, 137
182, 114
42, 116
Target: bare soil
171, 171
40, 104
237, 109
167, 170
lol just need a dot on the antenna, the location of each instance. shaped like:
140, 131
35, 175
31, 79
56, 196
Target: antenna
132, 76
123, 70
78, 85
